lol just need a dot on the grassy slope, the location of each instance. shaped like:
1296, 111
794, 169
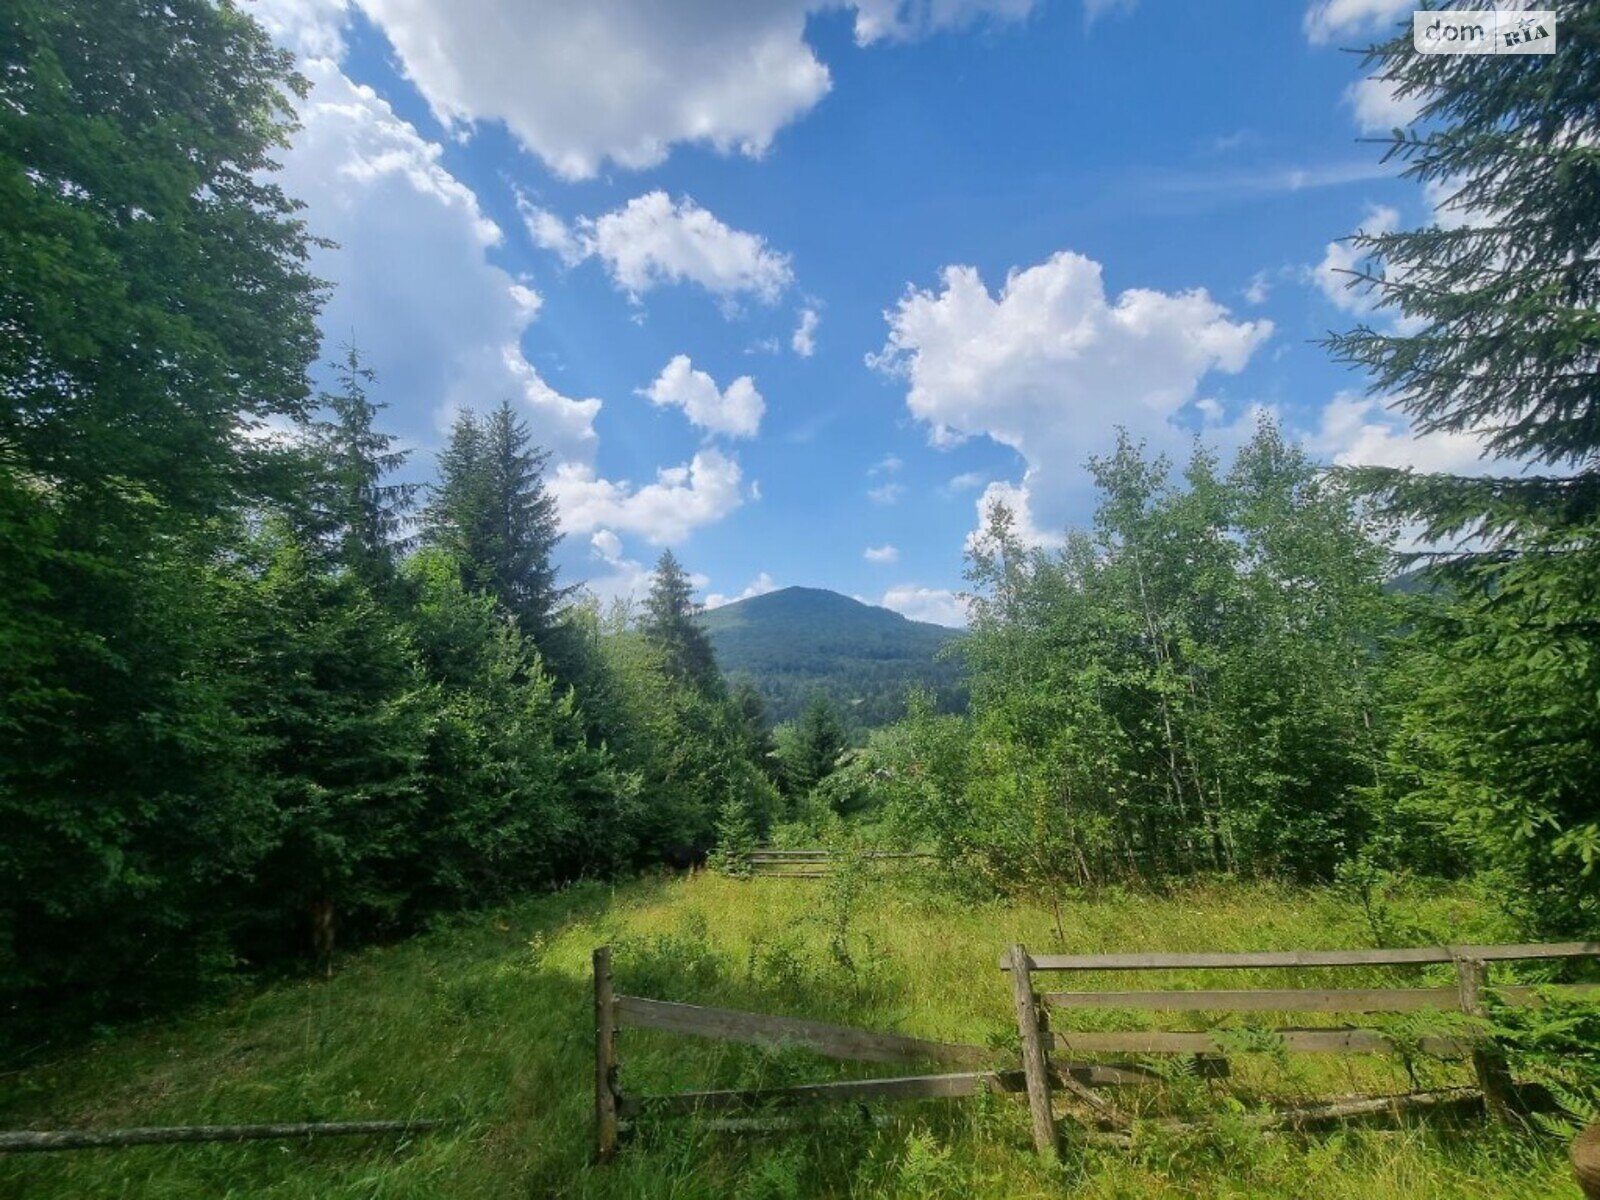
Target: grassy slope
490, 1020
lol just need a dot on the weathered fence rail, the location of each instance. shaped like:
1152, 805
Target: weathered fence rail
1039, 1039
1047, 1072
616, 1109
25, 1141
818, 864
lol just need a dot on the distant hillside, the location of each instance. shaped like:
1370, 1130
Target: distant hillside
1416, 582
863, 658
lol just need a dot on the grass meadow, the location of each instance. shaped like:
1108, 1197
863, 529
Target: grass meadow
488, 1020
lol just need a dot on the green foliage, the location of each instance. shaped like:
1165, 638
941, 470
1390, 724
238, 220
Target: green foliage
1372, 888
515, 796
755, 728
151, 272
360, 515
1497, 733
1554, 1044
156, 308
1188, 686
688, 751
235, 707
1498, 737
736, 838
336, 705
127, 792
808, 751
1501, 291
848, 790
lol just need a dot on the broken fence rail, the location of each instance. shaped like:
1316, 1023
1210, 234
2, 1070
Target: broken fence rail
26, 1141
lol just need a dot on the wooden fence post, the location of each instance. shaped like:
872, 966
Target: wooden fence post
1035, 1066
605, 1058
1494, 1077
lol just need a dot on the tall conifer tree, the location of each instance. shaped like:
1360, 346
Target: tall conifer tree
363, 516
1501, 291
492, 512
670, 622
527, 528
1500, 738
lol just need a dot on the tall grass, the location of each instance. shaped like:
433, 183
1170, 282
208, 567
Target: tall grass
488, 1020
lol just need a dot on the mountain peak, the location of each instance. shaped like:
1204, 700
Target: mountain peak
807, 600
798, 640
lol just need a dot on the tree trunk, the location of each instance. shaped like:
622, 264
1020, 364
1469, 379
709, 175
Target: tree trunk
322, 934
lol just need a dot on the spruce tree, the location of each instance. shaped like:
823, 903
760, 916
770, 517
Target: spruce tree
736, 837
1500, 738
527, 528
363, 517
820, 739
670, 622
333, 700
755, 727
1501, 292
457, 516
492, 512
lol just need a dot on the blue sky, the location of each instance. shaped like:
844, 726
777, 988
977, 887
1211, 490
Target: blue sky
1014, 224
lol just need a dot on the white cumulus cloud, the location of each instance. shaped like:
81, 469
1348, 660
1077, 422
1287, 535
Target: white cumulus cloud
1018, 497
1378, 108
681, 500
736, 412
654, 240
901, 20
1356, 430
414, 289
439, 322
625, 80
804, 341
938, 605
881, 554
623, 577
578, 84
1331, 20
759, 586
1051, 365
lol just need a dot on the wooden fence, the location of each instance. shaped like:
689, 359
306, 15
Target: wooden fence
616, 1109
1047, 1073
817, 864
1039, 1040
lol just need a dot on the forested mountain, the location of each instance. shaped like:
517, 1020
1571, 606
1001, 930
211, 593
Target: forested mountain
801, 640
